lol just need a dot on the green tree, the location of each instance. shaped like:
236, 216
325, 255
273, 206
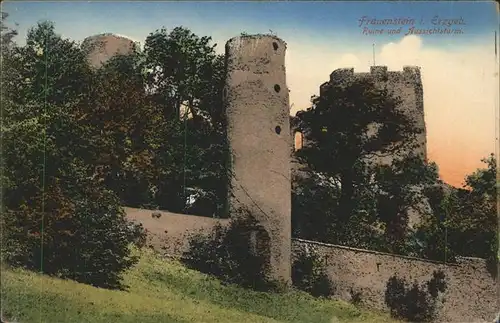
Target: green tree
57, 217
49, 69
346, 127
180, 69
433, 230
7, 34
123, 119
400, 190
465, 220
476, 224
184, 78
315, 199
313, 208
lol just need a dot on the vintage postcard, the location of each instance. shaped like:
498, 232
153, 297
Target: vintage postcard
281, 161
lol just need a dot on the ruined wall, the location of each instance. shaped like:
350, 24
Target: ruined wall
104, 46
257, 110
471, 295
169, 232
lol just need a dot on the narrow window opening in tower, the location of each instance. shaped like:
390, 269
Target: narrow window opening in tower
275, 45
298, 140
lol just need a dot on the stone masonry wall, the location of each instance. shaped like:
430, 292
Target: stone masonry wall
169, 232
257, 110
471, 295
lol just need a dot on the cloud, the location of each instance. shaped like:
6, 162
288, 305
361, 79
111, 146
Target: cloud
460, 93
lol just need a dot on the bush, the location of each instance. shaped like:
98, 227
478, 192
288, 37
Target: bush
309, 275
415, 303
82, 235
57, 215
227, 253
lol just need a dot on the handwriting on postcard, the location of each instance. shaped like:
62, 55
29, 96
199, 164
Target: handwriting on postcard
435, 25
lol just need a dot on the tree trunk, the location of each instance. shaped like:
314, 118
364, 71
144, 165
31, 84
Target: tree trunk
346, 194
396, 228
191, 108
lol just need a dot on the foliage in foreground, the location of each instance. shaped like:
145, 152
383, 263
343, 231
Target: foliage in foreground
309, 274
464, 220
164, 291
57, 216
227, 253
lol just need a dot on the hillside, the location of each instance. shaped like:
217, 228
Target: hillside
163, 291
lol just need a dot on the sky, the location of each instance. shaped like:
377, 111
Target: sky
459, 70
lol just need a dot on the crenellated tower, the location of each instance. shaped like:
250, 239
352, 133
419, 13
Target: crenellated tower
406, 85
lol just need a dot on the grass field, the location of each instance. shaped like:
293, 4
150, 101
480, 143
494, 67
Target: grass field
164, 291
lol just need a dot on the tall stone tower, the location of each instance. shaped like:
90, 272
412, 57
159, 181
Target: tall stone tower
406, 85
257, 109
102, 47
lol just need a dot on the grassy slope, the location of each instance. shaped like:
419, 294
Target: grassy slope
164, 291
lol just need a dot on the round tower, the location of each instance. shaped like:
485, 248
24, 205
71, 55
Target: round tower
258, 113
100, 48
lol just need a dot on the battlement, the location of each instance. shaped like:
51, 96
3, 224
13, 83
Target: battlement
378, 70
256, 44
411, 70
409, 74
412, 74
256, 37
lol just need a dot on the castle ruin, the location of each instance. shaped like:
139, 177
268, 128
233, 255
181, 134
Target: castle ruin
405, 85
257, 110
260, 134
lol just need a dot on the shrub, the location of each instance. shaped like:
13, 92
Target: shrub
57, 216
309, 275
227, 253
416, 303
82, 235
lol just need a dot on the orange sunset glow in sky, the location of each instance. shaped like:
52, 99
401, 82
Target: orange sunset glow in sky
460, 95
